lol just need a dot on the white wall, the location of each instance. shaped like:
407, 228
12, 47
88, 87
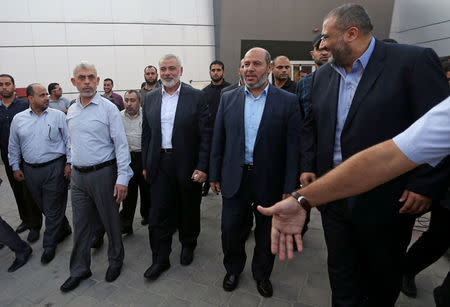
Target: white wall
423, 23
43, 40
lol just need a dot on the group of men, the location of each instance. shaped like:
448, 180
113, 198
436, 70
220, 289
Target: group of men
254, 142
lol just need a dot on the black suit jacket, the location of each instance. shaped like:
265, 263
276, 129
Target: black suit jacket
191, 135
400, 83
276, 150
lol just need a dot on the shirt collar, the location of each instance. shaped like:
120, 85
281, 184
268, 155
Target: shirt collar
177, 92
95, 100
137, 114
32, 112
363, 60
264, 92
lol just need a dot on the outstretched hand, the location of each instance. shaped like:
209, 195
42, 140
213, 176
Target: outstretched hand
288, 219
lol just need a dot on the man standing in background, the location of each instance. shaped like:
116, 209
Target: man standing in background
56, 100
282, 74
151, 80
108, 85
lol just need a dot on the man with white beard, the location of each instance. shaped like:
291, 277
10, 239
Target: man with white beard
176, 136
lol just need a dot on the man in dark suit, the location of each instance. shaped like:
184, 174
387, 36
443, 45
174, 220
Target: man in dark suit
370, 92
176, 137
254, 161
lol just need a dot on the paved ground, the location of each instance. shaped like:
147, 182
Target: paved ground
300, 283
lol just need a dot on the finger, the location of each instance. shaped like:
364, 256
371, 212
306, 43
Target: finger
417, 206
407, 206
282, 247
299, 242
274, 238
404, 195
115, 191
290, 247
265, 211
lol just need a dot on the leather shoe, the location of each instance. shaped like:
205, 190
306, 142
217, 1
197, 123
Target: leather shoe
144, 221
97, 242
264, 287
155, 270
2, 245
21, 228
230, 282
33, 236
21, 259
112, 273
126, 230
409, 286
73, 282
187, 256
48, 255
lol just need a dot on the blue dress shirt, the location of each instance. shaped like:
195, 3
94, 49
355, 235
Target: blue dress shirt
253, 111
347, 88
38, 139
97, 135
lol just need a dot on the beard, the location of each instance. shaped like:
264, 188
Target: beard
217, 79
151, 82
88, 94
340, 53
320, 62
7, 94
260, 81
170, 83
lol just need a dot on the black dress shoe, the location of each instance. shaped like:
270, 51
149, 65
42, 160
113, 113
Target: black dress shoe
144, 221
409, 286
126, 230
155, 270
187, 256
33, 235
112, 273
48, 255
21, 259
230, 282
97, 242
2, 245
73, 282
21, 228
264, 287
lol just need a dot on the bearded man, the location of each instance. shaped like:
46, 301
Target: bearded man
176, 136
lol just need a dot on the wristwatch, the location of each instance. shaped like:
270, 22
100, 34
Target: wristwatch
302, 201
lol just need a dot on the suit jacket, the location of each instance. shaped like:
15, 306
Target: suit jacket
229, 88
191, 135
400, 83
276, 151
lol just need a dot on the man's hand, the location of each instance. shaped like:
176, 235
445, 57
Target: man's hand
120, 192
284, 196
198, 176
144, 173
215, 187
307, 178
288, 218
67, 171
19, 176
414, 203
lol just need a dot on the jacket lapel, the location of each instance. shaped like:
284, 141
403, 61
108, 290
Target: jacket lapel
266, 113
370, 75
179, 111
240, 119
156, 115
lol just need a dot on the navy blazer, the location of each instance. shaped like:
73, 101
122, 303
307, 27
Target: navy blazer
276, 151
191, 135
400, 83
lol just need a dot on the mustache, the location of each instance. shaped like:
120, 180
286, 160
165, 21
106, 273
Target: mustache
88, 88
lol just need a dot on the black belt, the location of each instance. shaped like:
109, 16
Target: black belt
249, 167
36, 165
88, 169
166, 149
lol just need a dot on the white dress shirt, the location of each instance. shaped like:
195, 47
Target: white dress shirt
168, 109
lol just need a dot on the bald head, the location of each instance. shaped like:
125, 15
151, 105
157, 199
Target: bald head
281, 70
259, 51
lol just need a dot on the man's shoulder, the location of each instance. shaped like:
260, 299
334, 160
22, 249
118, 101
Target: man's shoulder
21, 114
187, 89
21, 103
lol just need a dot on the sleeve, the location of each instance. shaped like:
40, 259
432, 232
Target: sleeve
204, 128
218, 144
119, 138
14, 146
425, 93
292, 147
120, 103
65, 136
146, 133
428, 139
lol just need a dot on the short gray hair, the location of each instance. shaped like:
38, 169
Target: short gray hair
351, 15
168, 57
84, 65
138, 94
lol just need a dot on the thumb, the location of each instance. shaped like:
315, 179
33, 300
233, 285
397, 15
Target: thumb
266, 211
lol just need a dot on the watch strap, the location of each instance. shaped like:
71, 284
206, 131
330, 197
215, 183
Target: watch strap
303, 202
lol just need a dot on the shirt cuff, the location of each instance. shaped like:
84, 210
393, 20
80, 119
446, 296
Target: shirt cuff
15, 167
123, 180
